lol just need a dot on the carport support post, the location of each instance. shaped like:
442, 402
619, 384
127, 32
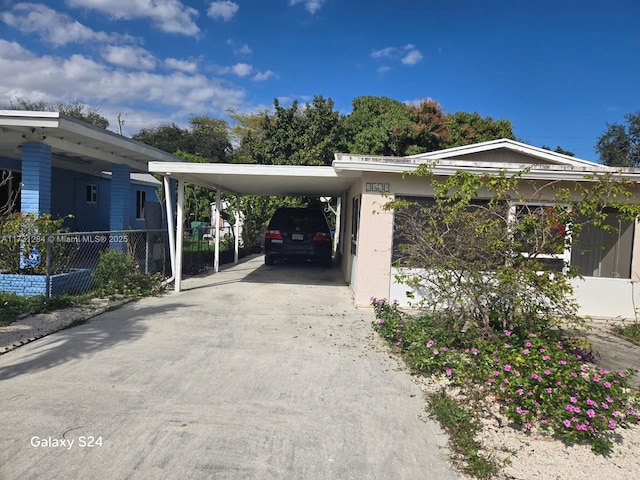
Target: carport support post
216, 253
236, 229
168, 197
179, 236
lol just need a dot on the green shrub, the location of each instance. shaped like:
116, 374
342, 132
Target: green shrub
23, 232
118, 274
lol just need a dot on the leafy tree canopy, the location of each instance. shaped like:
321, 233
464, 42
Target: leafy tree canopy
72, 108
467, 128
561, 150
296, 135
619, 145
206, 137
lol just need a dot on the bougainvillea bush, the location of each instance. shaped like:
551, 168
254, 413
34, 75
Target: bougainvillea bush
540, 379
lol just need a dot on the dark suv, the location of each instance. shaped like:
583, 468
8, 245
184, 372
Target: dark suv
300, 233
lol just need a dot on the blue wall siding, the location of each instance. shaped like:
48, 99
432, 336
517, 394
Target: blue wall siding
68, 197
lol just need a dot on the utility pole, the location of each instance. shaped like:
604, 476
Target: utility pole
120, 123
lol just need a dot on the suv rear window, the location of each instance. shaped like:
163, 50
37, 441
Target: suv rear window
306, 220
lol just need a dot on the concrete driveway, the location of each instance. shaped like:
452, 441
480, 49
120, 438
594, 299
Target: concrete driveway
252, 373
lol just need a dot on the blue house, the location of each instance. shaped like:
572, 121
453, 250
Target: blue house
63, 166
97, 180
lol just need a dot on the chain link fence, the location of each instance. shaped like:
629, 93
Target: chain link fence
62, 263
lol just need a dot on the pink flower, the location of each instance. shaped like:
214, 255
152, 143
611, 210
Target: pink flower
435, 351
507, 333
525, 351
607, 385
591, 413
507, 368
612, 424
567, 423
563, 362
573, 400
546, 357
448, 372
527, 426
429, 343
547, 372
528, 344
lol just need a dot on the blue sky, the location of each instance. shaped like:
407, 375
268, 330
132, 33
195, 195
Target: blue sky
559, 70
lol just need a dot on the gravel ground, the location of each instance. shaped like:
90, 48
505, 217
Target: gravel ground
521, 456
33, 327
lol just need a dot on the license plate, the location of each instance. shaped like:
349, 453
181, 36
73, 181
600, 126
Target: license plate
297, 236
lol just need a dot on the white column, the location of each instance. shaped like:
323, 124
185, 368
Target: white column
180, 236
336, 238
170, 227
236, 229
216, 254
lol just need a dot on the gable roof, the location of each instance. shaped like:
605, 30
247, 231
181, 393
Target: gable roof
495, 156
528, 153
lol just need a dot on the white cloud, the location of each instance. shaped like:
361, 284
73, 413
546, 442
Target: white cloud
182, 65
130, 57
241, 69
170, 16
55, 28
241, 49
385, 52
54, 79
312, 6
412, 57
262, 76
408, 55
223, 10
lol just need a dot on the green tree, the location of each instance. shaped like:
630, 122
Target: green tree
167, 136
295, 135
206, 137
467, 128
379, 126
619, 145
209, 138
72, 108
559, 149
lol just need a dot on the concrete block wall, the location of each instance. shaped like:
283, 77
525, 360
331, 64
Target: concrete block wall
78, 281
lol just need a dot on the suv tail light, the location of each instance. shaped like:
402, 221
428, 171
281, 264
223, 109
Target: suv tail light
322, 237
273, 235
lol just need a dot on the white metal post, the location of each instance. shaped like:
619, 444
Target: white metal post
236, 229
180, 236
216, 255
170, 227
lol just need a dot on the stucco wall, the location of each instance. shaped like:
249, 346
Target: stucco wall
374, 242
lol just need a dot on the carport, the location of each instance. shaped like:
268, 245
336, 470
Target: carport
240, 180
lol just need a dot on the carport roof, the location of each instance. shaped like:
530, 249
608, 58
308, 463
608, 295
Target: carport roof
251, 179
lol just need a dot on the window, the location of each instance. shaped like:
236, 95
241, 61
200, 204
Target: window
140, 199
543, 234
605, 254
91, 193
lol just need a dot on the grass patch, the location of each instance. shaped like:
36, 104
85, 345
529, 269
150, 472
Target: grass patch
462, 426
12, 305
631, 331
